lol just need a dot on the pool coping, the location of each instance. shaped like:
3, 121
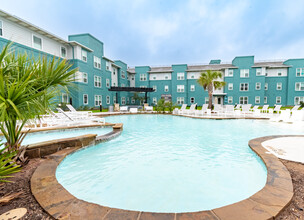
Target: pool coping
42, 149
265, 204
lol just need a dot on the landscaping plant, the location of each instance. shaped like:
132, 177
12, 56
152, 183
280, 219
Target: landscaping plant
28, 88
7, 164
209, 80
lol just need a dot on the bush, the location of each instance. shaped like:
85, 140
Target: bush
7, 164
170, 106
302, 104
160, 107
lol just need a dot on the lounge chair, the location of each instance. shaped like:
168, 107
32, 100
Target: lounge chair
202, 111
229, 110
182, 109
265, 108
256, 107
123, 109
297, 116
238, 106
277, 109
284, 116
217, 109
133, 110
295, 108
191, 111
77, 119
78, 113
148, 108
246, 109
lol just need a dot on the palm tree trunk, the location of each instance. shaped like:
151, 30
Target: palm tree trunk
210, 96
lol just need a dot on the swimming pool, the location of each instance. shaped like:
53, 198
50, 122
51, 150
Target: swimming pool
41, 136
171, 164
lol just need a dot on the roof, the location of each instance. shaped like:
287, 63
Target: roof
39, 30
130, 89
108, 59
273, 64
164, 69
196, 68
131, 70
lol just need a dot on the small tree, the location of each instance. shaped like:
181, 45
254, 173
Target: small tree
208, 80
28, 88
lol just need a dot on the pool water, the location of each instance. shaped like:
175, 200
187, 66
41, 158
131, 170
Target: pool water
171, 164
63, 133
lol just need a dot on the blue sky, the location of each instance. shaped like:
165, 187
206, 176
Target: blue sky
165, 32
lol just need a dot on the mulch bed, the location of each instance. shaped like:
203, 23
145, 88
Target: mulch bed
294, 211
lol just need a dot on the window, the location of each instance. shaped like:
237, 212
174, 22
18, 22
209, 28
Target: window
230, 99
114, 99
143, 86
108, 100
97, 62
265, 100
37, 42
128, 100
258, 86
244, 87
258, 71
230, 73
257, 100
206, 100
85, 77
243, 100
85, 99
1, 28
107, 65
132, 101
180, 100
192, 100
180, 88
143, 77
123, 100
230, 86
114, 71
192, 76
132, 78
298, 100
108, 83
192, 88
244, 73
279, 74
266, 86
300, 72
166, 76
63, 52
123, 74
155, 88
97, 81
299, 86
98, 100
278, 99
154, 77
279, 86
154, 100
180, 76
166, 89
84, 55
65, 98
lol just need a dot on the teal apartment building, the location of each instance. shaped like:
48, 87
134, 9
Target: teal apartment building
247, 81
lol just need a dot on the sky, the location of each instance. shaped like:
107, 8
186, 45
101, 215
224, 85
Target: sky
165, 32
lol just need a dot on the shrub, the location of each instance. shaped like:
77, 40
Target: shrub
7, 164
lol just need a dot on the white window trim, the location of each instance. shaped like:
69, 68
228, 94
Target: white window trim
257, 84
229, 73
98, 61
256, 72
192, 88
281, 86
230, 88
243, 100
230, 98
181, 88
33, 42
277, 100
108, 99
266, 86
108, 83
301, 71
83, 73
87, 99
255, 100
99, 100
299, 87
180, 76
244, 74
82, 56
244, 86
97, 81
193, 100
155, 88
166, 86
66, 52
265, 99
63, 94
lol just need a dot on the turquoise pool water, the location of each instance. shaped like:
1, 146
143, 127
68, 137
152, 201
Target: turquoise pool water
63, 133
171, 164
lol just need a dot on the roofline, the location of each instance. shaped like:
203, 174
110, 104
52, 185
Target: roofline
28, 24
81, 45
107, 59
83, 34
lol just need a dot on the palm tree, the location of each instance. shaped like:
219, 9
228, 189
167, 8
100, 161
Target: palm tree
208, 80
28, 88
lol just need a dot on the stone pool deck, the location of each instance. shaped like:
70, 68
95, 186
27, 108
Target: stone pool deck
265, 204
